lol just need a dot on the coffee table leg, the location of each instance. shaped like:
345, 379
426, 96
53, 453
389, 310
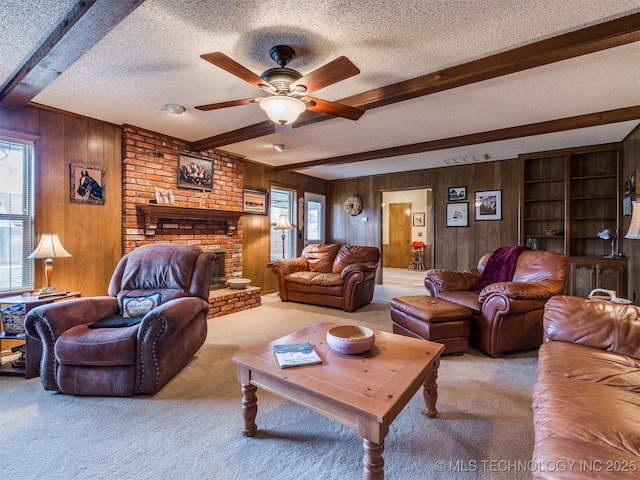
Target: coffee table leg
373, 461
430, 392
249, 409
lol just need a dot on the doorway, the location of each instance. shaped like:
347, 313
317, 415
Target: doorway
407, 217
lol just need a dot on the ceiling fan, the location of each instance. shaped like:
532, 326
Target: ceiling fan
287, 90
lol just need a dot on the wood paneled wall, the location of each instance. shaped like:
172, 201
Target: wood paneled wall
631, 164
255, 228
456, 248
91, 233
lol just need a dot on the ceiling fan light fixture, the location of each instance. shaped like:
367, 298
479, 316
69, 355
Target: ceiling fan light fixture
174, 109
282, 109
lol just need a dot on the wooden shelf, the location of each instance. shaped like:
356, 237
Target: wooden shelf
187, 213
574, 190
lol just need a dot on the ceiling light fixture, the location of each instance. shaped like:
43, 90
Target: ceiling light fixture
174, 109
279, 146
282, 109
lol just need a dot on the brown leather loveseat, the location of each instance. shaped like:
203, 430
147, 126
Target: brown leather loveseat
506, 316
331, 275
586, 401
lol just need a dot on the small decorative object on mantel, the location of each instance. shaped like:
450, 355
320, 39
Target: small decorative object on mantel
203, 199
163, 196
353, 205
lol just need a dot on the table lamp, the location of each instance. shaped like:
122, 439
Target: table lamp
283, 224
49, 248
634, 226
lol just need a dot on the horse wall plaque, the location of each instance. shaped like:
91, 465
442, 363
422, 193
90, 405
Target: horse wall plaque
87, 184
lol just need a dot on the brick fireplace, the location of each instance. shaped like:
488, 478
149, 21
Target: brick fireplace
151, 159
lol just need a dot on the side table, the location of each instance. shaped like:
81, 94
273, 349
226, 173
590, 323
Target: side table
33, 350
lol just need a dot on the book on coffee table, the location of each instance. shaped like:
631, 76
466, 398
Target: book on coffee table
295, 355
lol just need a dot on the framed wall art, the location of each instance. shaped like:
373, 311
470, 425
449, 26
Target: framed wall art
457, 194
489, 205
195, 172
87, 184
418, 219
458, 214
255, 201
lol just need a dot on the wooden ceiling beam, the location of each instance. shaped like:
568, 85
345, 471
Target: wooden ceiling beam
592, 39
86, 24
541, 128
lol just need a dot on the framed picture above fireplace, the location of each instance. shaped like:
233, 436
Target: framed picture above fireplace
195, 172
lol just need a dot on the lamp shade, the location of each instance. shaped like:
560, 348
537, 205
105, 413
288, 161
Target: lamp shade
49, 247
283, 223
634, 227
282, 109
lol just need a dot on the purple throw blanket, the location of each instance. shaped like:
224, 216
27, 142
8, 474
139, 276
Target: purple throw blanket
500, 267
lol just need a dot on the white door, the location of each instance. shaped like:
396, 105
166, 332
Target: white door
314, 218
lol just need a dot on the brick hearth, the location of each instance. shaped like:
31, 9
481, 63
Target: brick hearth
226, 300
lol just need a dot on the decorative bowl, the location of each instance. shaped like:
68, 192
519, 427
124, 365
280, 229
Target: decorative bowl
552, 233
350, 339
238, 283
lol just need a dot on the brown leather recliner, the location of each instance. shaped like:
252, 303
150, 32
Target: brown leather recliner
331, 275
506, 316
137, 338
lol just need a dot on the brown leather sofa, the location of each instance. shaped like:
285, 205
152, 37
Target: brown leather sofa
586, 401
331, 275
506, 316
151, 324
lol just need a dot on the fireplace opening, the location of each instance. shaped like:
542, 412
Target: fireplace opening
218, 279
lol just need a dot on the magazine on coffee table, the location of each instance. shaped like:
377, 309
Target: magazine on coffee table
295, 355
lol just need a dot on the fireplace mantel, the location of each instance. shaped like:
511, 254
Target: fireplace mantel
188, 213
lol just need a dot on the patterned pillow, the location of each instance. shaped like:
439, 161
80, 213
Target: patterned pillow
139, 305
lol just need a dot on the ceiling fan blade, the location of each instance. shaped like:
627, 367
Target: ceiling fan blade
232, 103
333, 108
221, 60
328, 74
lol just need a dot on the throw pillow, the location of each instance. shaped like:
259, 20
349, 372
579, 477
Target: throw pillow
139, 305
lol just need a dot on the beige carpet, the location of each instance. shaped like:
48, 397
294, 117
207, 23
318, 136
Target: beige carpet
192, 428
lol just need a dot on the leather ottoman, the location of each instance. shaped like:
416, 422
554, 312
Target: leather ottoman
433, 319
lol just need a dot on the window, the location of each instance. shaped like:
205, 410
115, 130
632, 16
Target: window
16, 214
314, 205
282, 203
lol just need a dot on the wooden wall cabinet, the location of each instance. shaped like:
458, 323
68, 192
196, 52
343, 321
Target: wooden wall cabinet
568, 196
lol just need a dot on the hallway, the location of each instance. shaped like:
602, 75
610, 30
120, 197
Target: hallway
402, 276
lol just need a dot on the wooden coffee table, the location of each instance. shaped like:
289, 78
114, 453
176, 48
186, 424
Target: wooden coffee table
365, 392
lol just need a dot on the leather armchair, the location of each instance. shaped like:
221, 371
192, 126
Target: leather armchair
506, 316
171, 280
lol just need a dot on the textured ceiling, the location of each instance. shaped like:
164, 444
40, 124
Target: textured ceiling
153, 58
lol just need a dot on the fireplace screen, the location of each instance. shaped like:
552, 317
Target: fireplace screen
218, 279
